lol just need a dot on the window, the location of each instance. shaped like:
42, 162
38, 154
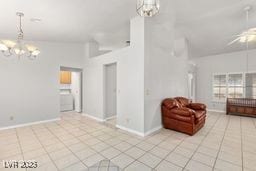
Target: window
250, 85
235, 86
219, 87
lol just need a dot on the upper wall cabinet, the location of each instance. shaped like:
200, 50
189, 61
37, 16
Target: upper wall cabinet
65, 77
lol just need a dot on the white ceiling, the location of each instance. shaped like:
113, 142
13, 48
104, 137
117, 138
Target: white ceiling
69, 20
210, 24
207, 24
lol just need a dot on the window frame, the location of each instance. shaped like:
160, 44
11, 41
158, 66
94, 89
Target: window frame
249, 72
213, 97
227, 86
243, 83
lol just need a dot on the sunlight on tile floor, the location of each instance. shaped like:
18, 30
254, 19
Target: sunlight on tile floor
76, 143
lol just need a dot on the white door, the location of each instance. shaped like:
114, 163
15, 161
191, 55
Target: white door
191, 86
76, 90
110, 90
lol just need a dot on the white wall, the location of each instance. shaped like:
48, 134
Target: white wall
130, 81
29, 90
146, 74
165, 75
92, 49
224, 63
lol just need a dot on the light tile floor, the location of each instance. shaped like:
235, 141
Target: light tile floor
111, 122
75, 143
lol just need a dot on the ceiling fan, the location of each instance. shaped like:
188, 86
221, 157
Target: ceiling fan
249, 34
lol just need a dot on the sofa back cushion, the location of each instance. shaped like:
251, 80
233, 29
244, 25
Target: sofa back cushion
171, 103
184, 102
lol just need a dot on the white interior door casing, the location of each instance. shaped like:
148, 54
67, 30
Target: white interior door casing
110, 90
191, 86
76, 90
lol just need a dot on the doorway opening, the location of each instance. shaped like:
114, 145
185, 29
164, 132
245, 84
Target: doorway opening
70, 89
191, 86
110, 93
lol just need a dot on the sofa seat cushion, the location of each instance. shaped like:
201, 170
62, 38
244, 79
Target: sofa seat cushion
180, 118
183, 111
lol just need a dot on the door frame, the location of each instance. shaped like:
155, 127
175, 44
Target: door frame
80, 70
104, 91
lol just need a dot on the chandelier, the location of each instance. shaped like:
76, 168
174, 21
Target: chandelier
18, 48
148, 8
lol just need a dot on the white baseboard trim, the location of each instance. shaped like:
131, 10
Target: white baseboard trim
112, 117
218, 111
152, 131
94, 118
29, 124
130, 130
140, 133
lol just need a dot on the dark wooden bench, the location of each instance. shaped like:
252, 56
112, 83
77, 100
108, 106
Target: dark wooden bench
241, 106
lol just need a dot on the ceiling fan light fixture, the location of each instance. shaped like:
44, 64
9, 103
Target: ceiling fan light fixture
243, 39
247, 36
251, 38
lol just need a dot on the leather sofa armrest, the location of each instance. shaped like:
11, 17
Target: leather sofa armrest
183, 111
197, 106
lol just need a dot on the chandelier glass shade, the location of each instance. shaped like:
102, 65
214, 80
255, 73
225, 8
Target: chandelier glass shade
18, 47
148, 8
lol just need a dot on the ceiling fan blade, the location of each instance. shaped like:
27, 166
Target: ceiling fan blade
251, 33
238, 35
234, 41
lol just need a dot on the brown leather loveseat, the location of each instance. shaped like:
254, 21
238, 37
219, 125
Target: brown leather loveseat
182, 115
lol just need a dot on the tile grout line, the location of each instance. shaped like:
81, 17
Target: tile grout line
241, 130
73, 123
254, 123
225, 160
96, 137
44, 147
66, 147
202, 142
221, 142
113, 146
145, 152
106, 143
164, 159
132, 146
148, 151
123, 152
170, 153
16, 132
